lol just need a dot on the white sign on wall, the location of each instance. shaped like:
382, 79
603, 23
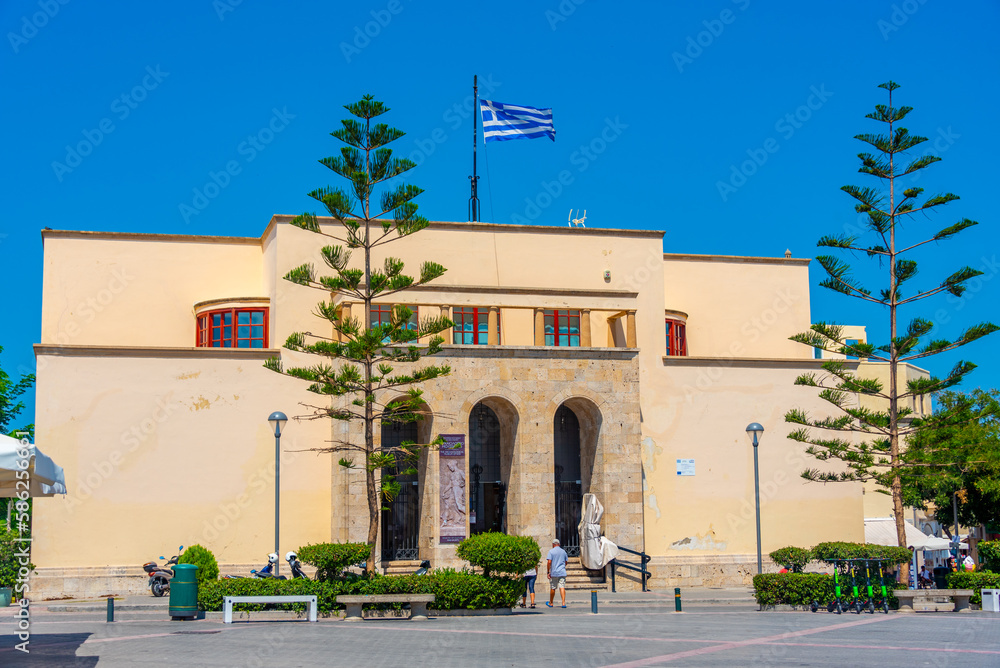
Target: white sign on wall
685, 467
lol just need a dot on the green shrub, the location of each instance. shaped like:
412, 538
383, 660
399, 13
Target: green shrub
202, 557
500, 553
989, 552
9, 561
837, 551
792, 558
974, 581
803, 589
330, 559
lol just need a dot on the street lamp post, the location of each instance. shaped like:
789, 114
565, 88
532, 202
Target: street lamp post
754, 430
277, 420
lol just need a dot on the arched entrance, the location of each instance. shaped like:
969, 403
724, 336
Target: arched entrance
568, 479
487, 492
401, 516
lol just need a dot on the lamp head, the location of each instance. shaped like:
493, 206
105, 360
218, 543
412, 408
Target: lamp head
277, 420
754, 432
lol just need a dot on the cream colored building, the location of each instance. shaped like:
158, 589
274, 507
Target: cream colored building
585, 355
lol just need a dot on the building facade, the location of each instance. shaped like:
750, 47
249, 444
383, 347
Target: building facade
582, 360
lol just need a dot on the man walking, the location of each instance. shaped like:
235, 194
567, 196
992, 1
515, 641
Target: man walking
555, 564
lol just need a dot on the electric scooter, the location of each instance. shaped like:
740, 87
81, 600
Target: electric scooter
883, 604
268, 571
159, 576
293, 563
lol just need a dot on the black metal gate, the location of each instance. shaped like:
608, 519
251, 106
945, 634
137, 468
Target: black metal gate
488, 494
568, 484
401, 516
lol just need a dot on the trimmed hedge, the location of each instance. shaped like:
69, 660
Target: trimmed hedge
989, 552
452, 590
500, 553
830, 552
802, 589
9, 562
202, 557
330, 559
974, 581
792, 558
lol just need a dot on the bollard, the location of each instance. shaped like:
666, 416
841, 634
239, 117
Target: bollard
593, 601
111, 609
677, 599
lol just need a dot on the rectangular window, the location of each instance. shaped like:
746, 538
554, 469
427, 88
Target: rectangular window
382, 315
472, 325
232, 328
562, 328
676, 338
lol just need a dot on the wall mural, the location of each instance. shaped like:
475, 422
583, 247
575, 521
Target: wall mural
452, 479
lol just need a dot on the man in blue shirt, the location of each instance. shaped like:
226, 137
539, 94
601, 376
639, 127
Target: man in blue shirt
556, 567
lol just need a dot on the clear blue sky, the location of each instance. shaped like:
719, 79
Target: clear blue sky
687, 92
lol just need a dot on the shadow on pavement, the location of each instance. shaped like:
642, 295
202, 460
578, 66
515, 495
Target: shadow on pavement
52, 650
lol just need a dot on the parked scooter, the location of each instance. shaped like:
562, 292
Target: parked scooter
159, 576
295, 565
268, 571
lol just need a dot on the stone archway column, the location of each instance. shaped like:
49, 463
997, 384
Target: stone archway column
585, 328
539, 327
492, 336
630, 341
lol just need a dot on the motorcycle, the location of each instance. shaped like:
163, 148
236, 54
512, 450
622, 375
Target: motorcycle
295, 565
268, 571
159, 576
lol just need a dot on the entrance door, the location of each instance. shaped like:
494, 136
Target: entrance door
487, 494
401, 516
568, 484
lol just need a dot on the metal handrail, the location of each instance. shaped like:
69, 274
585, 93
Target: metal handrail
641, 568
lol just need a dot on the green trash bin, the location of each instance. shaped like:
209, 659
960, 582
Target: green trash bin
184, 592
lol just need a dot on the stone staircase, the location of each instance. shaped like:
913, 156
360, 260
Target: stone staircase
578, 577
407, 567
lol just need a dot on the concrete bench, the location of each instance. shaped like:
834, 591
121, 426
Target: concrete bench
418, 604
933, 600
229, 600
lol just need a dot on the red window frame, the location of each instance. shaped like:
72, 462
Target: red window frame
226, 333
478, 315
382, 314
676, 338
562, 318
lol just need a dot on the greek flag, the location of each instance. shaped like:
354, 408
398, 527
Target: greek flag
512, 121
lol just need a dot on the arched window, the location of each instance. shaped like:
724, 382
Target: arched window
232, 328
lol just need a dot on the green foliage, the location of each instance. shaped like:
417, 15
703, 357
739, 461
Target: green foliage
330, 559
452, 590
977, 582
803, 589
9, 562
202, 557
837, 551
989, 552
792, 558
10, 405
500, 553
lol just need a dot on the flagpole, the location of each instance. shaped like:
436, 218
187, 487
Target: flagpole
474, 199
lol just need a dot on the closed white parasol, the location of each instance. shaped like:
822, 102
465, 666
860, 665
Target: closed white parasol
23, 467
595, 550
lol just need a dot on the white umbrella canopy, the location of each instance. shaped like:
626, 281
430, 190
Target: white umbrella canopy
596, 551
882, 531
44, 476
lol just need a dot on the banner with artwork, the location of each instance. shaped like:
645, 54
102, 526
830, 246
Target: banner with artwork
452, 488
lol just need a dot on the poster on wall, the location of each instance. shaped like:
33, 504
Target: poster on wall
452, 486
685, 467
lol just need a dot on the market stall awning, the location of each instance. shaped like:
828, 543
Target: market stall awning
26, 464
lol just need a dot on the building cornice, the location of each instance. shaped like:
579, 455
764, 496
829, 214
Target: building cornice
232, 300
538, 352
690, 257
518, 290
143, 236
155, 352
775, 362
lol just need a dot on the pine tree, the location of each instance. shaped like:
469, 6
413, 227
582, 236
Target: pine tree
360, 374
871, 442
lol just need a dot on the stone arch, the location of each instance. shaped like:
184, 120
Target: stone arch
587, 406
508, 408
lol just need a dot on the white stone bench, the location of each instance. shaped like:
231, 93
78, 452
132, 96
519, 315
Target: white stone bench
933, 600
418, 604
229, 600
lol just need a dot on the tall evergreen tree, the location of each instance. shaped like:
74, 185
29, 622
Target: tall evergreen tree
10, 403
871, 442
359, 373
